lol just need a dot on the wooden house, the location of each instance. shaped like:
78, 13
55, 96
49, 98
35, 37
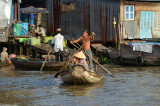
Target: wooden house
140, 19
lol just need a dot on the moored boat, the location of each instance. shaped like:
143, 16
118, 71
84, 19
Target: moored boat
140, 53
78, 75
36, 64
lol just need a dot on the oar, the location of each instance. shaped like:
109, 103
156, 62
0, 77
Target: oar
45, 60
96, 62
69, 58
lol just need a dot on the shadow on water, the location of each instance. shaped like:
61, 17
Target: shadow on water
81, 90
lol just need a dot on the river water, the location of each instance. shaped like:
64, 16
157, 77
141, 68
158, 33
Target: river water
131, 86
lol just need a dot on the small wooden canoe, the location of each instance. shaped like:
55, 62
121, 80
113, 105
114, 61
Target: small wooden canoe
6, 67
79, 76
36, 65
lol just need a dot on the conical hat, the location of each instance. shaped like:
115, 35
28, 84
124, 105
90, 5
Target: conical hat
33, 25
80, 55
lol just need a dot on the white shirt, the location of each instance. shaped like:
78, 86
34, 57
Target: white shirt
58, 42
4, 56
41, 32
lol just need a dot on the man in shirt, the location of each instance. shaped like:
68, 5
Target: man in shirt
41, 32
86, 39
58, 45
4, 56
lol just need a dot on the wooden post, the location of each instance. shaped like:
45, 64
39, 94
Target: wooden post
119, 37
21, 50
9, 51
96, 65
15, 49
123, 27
114, 24
18, 7
36, 54
15, 10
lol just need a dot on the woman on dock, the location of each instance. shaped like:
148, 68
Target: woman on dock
33, 30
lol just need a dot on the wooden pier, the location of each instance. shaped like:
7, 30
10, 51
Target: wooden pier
28, 50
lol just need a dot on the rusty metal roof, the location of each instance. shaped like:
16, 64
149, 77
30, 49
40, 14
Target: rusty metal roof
95, 15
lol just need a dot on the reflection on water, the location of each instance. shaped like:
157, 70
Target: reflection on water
79, 90
131, 86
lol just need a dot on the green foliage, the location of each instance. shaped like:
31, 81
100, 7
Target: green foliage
53, 34
105, 60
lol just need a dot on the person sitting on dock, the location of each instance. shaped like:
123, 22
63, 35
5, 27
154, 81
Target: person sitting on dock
4, 56
41, 32
80, 59
33, 30
86, 39
58, 45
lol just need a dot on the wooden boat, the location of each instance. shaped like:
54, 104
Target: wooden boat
6, 67
130, 57
36, 65
101, 50
78, 75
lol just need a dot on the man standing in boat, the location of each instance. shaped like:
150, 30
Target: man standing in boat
58, 45
86, 39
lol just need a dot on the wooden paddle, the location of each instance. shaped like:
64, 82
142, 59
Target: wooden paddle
95, 61
45, 60
69, 59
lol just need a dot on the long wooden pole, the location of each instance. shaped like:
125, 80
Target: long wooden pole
45, 60
95, 61
69, 58
98, 64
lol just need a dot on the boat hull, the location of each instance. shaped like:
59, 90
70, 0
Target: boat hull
130, 57
36, 65
80, 77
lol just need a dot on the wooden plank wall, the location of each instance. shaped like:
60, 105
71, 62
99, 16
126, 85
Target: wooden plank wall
138, 7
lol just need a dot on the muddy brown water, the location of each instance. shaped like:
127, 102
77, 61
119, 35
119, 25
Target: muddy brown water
132, 86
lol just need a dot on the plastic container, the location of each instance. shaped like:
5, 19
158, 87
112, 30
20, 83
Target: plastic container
17, 29
35, 41
21, 40
64, 43
32, 22
28, 41
32, 17
12, 55
24, 28
50, 42
46, 39
38, 42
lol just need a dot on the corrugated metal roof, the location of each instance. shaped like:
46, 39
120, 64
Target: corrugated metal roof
95, 15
